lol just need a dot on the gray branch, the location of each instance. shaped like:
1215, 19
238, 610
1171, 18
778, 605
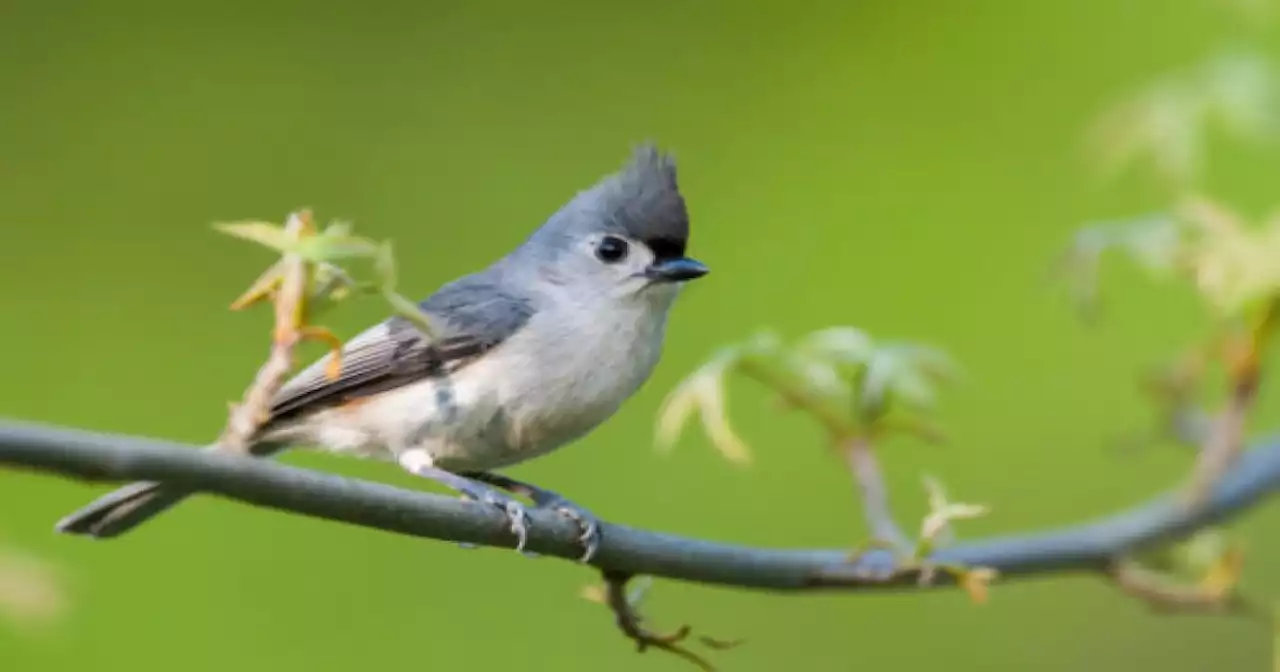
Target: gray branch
624, 550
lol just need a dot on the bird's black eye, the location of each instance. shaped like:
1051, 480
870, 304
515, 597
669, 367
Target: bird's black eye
611, 250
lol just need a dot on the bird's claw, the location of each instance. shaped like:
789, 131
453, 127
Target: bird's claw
586, 522
517, 516
484, 486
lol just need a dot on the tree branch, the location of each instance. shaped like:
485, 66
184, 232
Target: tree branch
1090, 546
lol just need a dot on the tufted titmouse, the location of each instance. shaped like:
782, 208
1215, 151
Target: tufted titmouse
531, 353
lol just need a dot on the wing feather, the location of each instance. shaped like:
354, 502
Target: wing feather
472, 315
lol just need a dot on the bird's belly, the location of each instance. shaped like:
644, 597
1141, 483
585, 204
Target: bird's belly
507, 435
498, 411
470, 422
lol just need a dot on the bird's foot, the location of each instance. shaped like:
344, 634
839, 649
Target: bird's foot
588, 524
512, 508
549, 500
419, 464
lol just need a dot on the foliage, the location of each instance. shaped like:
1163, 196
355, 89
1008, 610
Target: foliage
849, 382
1168, 122
328, 282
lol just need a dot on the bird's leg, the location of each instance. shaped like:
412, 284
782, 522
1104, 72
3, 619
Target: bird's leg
419, 463
553, 501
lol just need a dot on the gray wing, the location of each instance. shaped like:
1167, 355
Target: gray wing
471, 315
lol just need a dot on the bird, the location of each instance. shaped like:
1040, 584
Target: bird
528, 354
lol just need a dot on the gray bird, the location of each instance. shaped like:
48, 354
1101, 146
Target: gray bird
530, 353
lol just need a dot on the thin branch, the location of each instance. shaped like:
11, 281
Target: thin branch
1226, 436
1169, 597
629, 622
860, 456
1223, 445
1090, 546
289, 299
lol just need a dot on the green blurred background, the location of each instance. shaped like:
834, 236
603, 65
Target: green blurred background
908, 168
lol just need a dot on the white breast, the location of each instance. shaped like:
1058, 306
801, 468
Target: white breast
558, 379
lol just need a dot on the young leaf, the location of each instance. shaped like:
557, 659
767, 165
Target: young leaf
943, 512
385, 266
336, 242
1233, 265
845, 345
264, 233
703, 392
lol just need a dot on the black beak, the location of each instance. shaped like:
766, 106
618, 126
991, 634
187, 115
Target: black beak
676, 269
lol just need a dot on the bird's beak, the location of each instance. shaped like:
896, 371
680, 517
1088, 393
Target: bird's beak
678, 269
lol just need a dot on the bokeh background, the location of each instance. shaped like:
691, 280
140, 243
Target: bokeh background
908, 168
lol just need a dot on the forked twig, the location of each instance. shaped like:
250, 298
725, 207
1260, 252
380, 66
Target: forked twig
629, 620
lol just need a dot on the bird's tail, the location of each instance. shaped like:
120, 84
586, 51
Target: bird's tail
125, 508
121, 510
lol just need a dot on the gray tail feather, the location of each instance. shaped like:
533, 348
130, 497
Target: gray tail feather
125, 508
121, 510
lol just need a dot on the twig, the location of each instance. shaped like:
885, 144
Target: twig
1167, 597
289, 298
1223, 445
1173, 391
865, 468
629, 622
1226, 437
855, 445
1088, 546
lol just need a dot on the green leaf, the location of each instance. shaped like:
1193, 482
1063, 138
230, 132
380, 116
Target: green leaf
336, 242
1161, 124
846, 345
264, 233
412, 312
1166, 123
904, 372
1158, 243
385, 266
703, 392
1241, 95
876, 384
931, 362
1234, 266
819, 376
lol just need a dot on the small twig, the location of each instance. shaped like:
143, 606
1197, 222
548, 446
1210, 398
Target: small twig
289, 298
1225, 442
856, 447
865, 468
629, 622
1165, 596
1223, 445
1173, 391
